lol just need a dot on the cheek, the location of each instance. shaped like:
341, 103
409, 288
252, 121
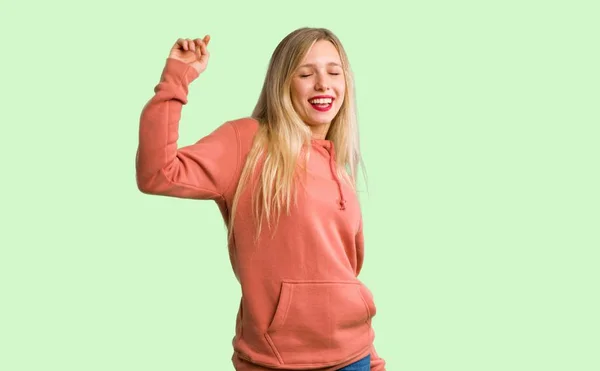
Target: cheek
340, 88
297, 93
294, 96
341, 93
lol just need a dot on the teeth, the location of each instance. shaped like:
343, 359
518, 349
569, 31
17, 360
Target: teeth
321, 101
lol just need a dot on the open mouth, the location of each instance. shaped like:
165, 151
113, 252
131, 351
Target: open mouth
321, 104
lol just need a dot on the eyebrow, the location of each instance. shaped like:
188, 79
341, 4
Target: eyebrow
329, 64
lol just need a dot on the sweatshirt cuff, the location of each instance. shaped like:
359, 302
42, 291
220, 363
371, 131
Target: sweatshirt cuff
182, 71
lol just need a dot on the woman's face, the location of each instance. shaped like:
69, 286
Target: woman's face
318, 87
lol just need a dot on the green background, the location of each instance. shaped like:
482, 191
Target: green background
479, 124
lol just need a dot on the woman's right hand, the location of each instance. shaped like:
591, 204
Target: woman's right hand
193, 52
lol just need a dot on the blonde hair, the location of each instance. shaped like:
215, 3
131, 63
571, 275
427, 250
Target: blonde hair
282, 134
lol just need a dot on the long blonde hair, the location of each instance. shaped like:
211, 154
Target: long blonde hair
282, 134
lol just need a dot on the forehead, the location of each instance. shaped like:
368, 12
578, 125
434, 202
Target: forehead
323, 52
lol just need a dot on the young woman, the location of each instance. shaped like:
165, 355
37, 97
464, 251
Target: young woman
284, 181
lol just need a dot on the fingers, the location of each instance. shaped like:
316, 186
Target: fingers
198, 46
189, 44
181, 44
204, 41
201, 48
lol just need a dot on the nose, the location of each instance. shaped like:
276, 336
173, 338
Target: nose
322, 84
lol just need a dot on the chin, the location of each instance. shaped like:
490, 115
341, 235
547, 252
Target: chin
320, 122
322, 119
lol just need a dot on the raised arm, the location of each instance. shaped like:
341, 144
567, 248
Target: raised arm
203, 170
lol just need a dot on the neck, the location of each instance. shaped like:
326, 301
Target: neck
319, 132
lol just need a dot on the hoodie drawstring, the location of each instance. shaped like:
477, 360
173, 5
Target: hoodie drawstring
332, 166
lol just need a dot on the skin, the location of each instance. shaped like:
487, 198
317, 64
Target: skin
193, 52
319, 73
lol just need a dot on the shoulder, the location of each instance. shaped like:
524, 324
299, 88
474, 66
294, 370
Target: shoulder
241, 131
245, 129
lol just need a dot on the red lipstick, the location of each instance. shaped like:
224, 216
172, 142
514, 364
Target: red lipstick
322, 107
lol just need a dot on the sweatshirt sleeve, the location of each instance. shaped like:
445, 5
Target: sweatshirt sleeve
203, 170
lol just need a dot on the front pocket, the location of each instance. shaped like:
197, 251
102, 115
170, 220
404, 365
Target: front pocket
320, 322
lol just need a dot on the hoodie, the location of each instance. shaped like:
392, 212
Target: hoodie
302, 305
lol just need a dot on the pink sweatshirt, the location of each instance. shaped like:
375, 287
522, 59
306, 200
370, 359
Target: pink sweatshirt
302, 305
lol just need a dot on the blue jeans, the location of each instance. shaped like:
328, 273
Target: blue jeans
360, 365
